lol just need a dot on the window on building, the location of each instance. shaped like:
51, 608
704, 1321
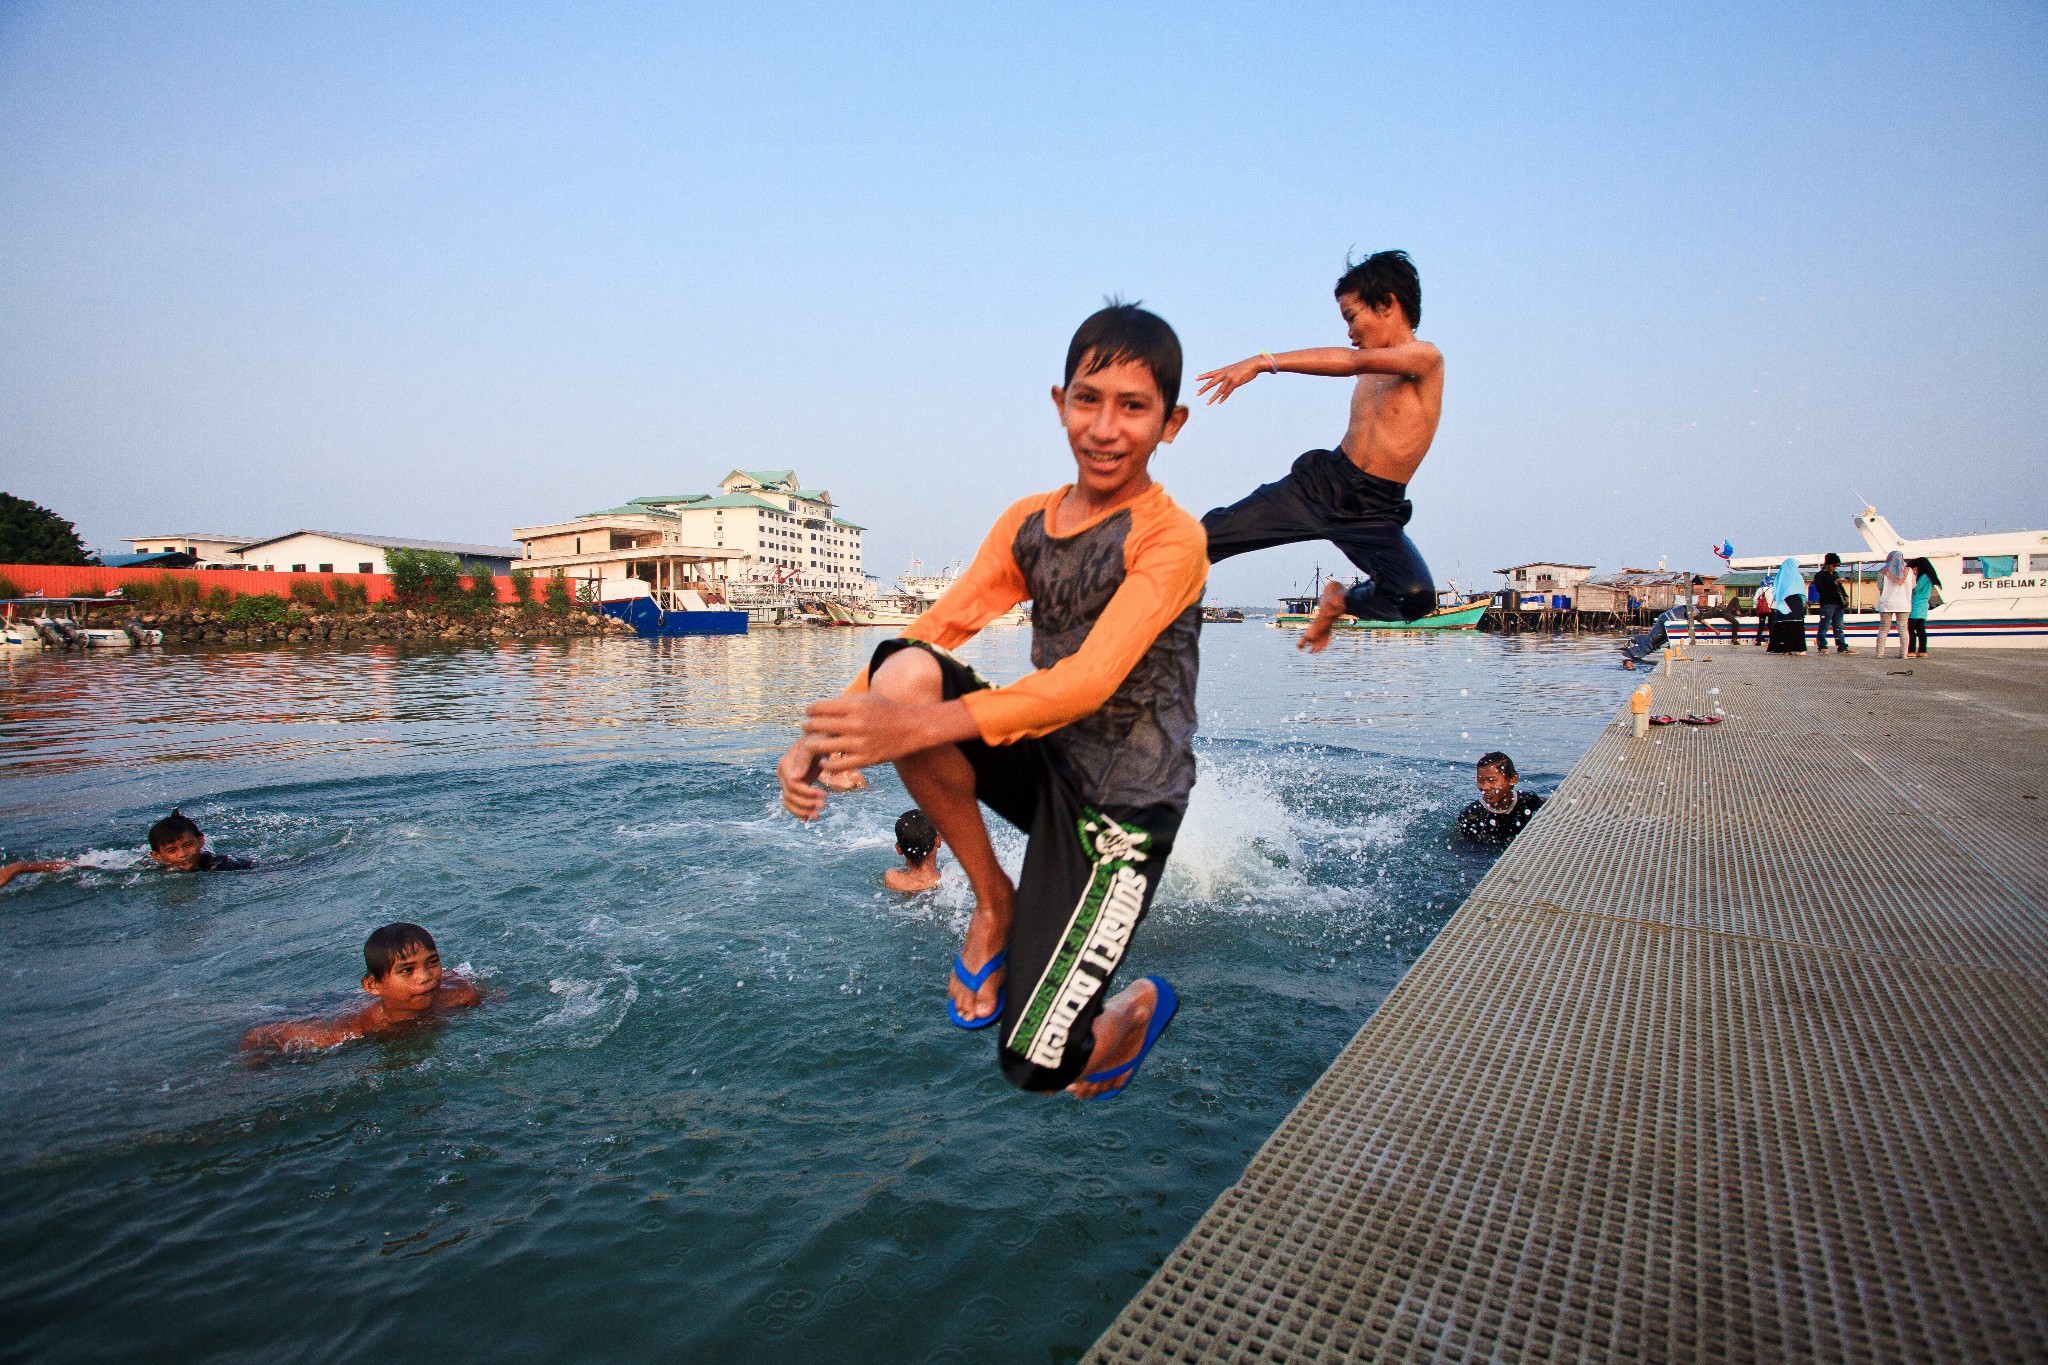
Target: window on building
298, 568
2037, 563
366, 567
268, 567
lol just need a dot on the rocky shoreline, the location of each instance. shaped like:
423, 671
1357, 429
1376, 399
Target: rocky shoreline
301, 626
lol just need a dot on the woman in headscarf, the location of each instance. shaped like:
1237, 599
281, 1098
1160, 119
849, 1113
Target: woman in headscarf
1894, 600
1788, 610
1925, 581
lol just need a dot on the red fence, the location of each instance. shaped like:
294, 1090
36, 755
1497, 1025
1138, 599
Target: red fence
50, 580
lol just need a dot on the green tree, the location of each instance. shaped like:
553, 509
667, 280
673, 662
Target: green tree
444, 579
522, 585
558, 599
408, 577
483, 588
32, 534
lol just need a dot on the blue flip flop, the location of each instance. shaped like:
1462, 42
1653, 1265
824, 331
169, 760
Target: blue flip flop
972, 981
1162, 1015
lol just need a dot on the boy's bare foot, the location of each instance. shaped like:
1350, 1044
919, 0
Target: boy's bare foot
987, 935
1119, 1033
1316, 638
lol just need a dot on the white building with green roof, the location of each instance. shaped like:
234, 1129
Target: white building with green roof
764, 526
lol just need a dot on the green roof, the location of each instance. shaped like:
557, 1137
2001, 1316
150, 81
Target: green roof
679, 497
733, 500
851, 525
629, 509
769, 476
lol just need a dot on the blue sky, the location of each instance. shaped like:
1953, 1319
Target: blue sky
445, 270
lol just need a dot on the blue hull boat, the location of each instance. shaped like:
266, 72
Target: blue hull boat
649, 620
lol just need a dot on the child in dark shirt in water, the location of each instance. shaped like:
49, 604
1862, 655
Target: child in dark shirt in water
180, 845
403, 971
1501, 811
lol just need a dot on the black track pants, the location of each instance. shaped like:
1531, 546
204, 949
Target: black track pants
1088, 879
1326, 497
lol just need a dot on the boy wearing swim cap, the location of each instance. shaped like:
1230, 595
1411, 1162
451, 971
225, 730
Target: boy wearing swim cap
1356, 496
402, 970
1092, 755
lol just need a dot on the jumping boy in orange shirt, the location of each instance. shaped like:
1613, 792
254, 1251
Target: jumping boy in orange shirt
1092, 755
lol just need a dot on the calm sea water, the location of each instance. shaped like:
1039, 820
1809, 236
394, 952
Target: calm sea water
713, 1109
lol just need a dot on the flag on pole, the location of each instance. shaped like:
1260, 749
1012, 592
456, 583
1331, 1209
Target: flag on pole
1725, 550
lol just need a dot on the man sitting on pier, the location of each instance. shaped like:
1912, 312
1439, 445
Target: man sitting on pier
1092, 755
1356, 496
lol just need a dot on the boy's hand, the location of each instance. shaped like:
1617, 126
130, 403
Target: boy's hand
797, 771
860, 729
1220, 384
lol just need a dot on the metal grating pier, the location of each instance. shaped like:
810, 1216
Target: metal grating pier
1740, 1052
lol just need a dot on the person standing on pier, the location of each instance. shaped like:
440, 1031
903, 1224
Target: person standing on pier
1833, 600
1894, 601
1092, 755
1788, 610
1356, 496
1926, 582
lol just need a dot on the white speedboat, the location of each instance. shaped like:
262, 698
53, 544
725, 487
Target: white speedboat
1994, 585
60, 623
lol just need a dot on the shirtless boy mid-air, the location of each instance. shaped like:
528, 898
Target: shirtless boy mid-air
1356, 496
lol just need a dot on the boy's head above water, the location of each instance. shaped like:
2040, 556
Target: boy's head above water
1121, 397
403, 968
1497, 778
916, 839
176, 842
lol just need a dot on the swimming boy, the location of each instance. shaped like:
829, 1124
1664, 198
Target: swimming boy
1092, 755
1356, 496
179, 845
917, 843
1500, 812
402, 969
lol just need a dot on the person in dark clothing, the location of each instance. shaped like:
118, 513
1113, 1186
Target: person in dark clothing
1500, 812
1831, 600
180, 845
1787, 616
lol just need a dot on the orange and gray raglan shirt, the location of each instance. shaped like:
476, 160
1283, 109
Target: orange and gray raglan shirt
1115, 624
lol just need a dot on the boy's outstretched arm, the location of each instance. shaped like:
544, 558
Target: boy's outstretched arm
13, 870
304, 1033
1412, 358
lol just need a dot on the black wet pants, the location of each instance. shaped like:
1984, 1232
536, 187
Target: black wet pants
1326, 497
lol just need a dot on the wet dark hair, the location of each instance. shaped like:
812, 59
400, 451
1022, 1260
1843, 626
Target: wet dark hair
173, 827
1382, 276
390, 943
1497, 759
1124, 331
915, 835
1925, 567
